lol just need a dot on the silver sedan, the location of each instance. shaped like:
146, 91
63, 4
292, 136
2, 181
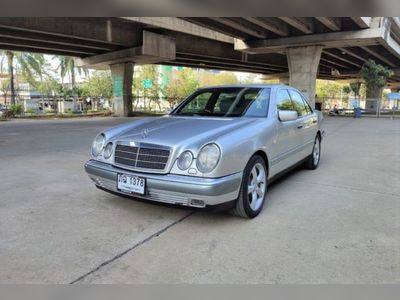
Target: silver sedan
220, 148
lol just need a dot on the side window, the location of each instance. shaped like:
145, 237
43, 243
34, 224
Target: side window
283, 101
299, 104
308, 107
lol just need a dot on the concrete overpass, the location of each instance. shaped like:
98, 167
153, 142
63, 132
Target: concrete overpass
296, 50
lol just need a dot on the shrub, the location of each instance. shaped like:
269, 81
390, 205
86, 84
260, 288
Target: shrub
30, 111
16, 109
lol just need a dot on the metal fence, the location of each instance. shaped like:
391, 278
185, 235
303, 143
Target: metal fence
370, 107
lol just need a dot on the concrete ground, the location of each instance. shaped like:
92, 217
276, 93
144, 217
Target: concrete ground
337, 224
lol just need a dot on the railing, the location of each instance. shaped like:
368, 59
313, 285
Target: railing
370, 107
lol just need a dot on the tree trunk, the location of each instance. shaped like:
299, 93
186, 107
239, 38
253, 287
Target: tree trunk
73, 88
10, 61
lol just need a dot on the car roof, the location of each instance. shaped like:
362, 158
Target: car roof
245, 86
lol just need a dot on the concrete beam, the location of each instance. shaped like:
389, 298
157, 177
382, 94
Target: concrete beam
33, 46
363, 37
214, 26
239, 27
353, 54
339, 57
229, 63
181, 25
378, 56
302, 24
155, 48
102, 30
333, 24
22, 36
270, 24
333, 62
205, 48
362, 22
391, 45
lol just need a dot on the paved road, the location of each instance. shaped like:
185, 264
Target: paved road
338, 224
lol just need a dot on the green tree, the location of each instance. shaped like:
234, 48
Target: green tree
67, 67
346, 89
226, 77
375, 77
183, 83
146, 86
328, 89
355, 88
28, 66
99, 85
4, 87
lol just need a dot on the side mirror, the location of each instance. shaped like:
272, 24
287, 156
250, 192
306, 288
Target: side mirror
287, 115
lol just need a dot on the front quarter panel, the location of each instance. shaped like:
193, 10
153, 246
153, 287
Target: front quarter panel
239, 146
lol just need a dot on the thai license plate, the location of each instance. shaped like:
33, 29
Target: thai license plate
131, 184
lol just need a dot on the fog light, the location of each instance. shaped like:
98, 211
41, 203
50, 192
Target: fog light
196, 202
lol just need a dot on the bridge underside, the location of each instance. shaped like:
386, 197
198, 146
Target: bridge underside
337, 47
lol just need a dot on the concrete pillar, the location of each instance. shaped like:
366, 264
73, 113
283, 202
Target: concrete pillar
122, 77
284, 80
303, 67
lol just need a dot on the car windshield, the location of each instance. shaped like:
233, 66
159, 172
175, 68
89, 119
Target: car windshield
226, 102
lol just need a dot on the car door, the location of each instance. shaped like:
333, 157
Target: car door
307, 124
287, 139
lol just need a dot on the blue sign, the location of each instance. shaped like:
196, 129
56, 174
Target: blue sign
393, 96
147, 83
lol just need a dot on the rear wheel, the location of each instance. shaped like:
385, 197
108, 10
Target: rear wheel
253, 189
313, 160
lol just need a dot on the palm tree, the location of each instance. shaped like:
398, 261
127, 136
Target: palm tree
9, 55
67, 66
29, 63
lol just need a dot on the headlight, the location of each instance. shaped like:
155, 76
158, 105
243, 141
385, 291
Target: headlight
185, 160
208, 158
98, 144
108, 150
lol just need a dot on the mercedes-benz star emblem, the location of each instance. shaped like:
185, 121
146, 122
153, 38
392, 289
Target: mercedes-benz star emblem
145, 133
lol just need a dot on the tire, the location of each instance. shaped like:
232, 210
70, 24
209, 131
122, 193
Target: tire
313, 160
245, 207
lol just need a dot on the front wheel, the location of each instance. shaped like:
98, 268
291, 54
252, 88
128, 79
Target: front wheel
253, 189
313, 160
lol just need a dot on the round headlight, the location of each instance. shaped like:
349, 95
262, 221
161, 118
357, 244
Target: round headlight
185, 160
108, 150
98, 144
208, 158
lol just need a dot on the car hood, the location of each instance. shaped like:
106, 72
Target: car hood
172, 130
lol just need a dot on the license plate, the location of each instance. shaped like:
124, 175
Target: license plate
131, 184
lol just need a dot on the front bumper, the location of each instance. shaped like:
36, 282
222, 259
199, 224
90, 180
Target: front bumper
170, 188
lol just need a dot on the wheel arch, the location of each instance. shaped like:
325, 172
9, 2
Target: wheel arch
264, 156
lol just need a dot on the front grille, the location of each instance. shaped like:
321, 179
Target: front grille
141, 157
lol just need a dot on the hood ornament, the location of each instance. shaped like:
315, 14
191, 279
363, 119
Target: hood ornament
145, 133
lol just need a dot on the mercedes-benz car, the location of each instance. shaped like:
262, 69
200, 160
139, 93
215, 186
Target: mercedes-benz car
220, 148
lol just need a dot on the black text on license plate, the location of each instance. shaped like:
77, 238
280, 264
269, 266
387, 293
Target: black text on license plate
131, 184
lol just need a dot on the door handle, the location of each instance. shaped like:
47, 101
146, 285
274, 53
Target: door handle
300, 126
314, 121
